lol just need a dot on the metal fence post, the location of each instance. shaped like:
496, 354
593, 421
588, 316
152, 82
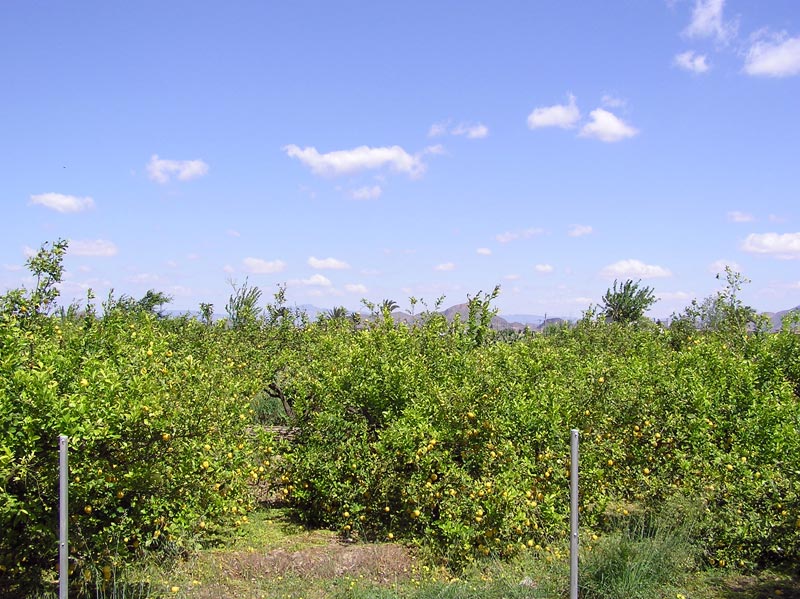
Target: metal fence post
573, 516
63, 552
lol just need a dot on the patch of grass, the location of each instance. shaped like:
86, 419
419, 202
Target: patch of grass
643, 557
650, 557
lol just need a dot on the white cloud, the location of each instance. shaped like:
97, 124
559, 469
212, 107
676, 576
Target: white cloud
28, 251
484, 251
610, 101
316, 280
579, 230
355, 288
438, 129
327, 263
740, 217
62, 203
675, 295
446, 266
160, 170
778, 57
233, 233
366, 193
470, 130
707, 21
559, 115
581, 301
512, 277
718, 266
340, 162
435, 149
96, 247
543, 268
476, 131
689, 61
785, 246
229, 269
607, 127
12, 267
514, 235
634, 269
263, 267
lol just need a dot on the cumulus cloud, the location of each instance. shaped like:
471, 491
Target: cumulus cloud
438, 129
161, 170
327, 263
689, 61
719, 266
355, 288
471, 131
96, 247
444, 267
484, 251
778, 56
634, 269
62, 203
512, 277
263, 267
514, 235
342, 162
579, 230
543, 268
366, 193
316, 280
740, 217
781, 245
607, 127
610, 101
559, 115
708, 22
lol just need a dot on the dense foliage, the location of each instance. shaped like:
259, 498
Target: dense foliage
438, 433
422, 434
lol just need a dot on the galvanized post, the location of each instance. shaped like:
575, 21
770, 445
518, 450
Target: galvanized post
573, 516
63, 553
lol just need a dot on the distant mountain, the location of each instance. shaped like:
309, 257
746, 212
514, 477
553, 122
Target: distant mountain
533, 319
517, 322
777, 317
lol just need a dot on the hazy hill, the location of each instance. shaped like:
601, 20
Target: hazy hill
777, 317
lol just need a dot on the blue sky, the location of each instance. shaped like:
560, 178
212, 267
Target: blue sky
385, 150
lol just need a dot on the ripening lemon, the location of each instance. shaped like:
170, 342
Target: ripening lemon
87, 509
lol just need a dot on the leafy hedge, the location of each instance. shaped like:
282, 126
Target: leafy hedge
421, 433
161, 452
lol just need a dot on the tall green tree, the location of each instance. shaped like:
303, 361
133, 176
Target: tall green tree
242, 306
627, 302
